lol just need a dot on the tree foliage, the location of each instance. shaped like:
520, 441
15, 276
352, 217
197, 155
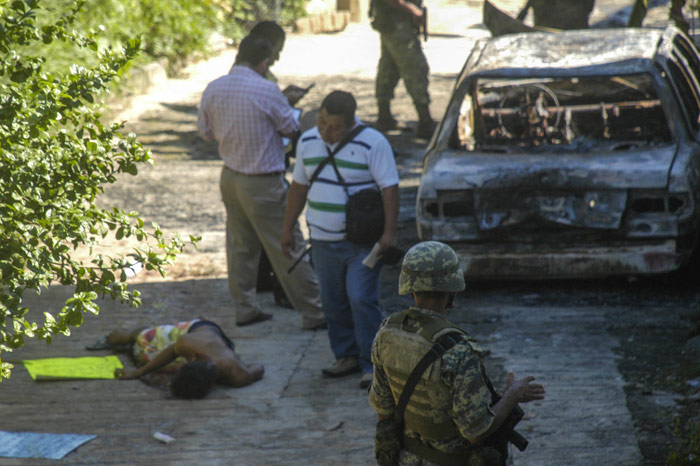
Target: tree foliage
171, 29
55, 159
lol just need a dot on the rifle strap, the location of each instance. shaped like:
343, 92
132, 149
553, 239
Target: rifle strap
444, 343
489, 385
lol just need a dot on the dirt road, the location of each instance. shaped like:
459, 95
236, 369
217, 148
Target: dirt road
610, 353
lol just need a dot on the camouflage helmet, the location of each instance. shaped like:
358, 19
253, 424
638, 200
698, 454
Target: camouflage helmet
430, 266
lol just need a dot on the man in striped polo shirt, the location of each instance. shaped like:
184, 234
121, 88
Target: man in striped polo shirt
349, 289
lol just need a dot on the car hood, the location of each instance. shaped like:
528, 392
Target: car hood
588, 190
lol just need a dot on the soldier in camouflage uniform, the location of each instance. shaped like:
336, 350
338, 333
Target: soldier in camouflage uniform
397, 22
639, 11
449, 412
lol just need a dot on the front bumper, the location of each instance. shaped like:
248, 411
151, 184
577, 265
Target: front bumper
483, 261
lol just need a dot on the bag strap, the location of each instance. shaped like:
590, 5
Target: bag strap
444, 343
349, 137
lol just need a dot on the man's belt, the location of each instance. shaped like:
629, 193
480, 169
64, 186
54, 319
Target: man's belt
278, 172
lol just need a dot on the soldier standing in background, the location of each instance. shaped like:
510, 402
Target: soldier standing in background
450, 412
561, 14
398, 23
639, 11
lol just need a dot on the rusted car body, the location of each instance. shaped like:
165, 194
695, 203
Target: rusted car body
570, 155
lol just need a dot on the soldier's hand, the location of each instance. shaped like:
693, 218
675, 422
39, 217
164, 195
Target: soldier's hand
525, 391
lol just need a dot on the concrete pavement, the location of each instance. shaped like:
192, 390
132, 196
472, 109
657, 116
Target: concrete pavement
293, 416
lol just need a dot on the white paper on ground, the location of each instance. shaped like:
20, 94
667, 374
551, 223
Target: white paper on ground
36, 445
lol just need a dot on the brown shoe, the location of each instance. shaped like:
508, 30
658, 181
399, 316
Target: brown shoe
262, 317
342, 367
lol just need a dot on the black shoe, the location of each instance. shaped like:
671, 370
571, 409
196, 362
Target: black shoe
366, 380
386, 124
320, 326
425, 129
281, 298
262, 317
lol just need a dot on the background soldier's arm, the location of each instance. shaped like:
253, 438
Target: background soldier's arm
403, 5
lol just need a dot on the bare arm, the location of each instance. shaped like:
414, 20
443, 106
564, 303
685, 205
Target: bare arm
163, 358
391, 215
296, 199
245, 375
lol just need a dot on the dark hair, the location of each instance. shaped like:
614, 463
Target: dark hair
193, 381
253, 50
341, 103
270, 30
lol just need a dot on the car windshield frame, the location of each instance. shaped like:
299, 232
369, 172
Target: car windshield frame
560, 113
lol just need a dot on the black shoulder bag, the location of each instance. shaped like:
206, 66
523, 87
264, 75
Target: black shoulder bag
389, 435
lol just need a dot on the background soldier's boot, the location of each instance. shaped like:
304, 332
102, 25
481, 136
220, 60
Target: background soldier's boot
426, 124
385, 120
676, 14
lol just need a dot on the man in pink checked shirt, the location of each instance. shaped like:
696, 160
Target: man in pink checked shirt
248, 115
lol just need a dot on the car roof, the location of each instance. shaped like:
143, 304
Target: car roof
599, 51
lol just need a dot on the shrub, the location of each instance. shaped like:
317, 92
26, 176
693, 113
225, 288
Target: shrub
55, 158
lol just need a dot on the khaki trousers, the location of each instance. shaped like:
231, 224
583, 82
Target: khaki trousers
255, 208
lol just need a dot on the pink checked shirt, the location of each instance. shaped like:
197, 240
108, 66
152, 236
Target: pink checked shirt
246, 114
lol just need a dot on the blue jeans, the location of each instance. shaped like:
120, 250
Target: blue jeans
349, 298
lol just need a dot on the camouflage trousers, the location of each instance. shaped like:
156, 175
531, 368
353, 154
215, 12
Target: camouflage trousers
402, 58
562, 14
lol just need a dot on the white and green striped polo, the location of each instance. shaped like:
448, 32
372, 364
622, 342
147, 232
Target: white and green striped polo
365, 162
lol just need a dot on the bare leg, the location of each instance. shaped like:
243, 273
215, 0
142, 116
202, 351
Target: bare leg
120, 337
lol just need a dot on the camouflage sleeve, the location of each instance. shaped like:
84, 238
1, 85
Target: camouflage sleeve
380, 397
471, 397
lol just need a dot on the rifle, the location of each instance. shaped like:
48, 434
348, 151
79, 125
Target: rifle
523, 12
506, 432
424, 24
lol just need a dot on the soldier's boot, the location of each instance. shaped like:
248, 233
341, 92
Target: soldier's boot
676, 14
385, 120
426, 124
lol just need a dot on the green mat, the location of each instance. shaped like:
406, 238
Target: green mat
72, 368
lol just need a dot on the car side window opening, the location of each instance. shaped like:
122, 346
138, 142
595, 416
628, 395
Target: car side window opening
562, 113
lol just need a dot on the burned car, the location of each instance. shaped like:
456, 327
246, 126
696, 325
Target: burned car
569, 154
